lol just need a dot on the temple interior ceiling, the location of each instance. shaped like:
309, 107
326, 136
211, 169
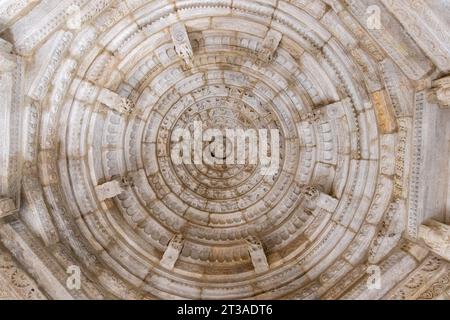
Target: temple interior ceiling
355, 96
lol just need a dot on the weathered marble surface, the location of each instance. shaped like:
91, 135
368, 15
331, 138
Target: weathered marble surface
92, 91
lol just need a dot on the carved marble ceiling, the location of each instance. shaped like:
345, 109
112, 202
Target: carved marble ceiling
91, 91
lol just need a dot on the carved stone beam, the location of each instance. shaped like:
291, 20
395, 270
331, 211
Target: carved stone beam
172, 252
436, 237
257, 254
270, 46
316, 199
7, 207
34, 257
7, 58
112, 188
182, 43
115, 102
441, 92
425, 28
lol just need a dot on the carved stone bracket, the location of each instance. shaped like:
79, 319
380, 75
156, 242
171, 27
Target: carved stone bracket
257, 254
182, 43
172, 252
441, 92
270, 46
436, 237
112, 188
315, 198
115, 102
329, 112
313, 116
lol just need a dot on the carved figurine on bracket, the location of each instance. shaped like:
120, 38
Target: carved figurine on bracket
126, 106
115, 101
311, 193
172, 252
256, 251
441, 92
112, 188
127, 181
7, 59
315, 198
313, 116
182, 43
269, 46
436, 236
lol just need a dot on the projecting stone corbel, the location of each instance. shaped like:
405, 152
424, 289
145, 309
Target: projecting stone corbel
257, 254
7, 58
7, 207
270, 46
115, 102
327, 112
312, 117
436, 237
112, 188
172, 252
182, 43
441, 92
316, 199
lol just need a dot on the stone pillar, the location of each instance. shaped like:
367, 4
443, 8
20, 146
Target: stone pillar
256, 251
172, 252
115, 102
429, 150
182, 43
436, 237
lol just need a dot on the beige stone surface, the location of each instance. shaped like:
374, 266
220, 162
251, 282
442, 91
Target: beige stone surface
93, 205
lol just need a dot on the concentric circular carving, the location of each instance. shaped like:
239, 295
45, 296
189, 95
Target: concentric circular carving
132, 79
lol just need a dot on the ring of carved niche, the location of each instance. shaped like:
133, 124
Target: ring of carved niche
133, 229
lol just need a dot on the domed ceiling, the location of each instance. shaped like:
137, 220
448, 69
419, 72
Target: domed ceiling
354, 93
